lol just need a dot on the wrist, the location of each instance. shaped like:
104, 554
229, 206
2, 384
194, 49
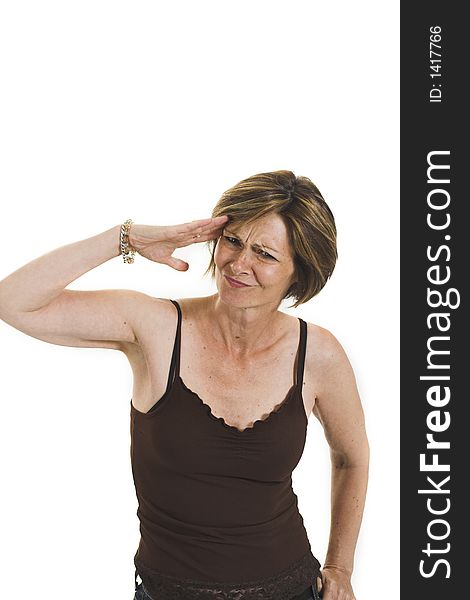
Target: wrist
338, 567
126, 248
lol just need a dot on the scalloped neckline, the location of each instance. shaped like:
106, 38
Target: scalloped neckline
222, 421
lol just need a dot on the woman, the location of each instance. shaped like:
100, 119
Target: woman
223, 388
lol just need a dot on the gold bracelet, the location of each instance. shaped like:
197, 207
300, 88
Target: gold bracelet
127, 251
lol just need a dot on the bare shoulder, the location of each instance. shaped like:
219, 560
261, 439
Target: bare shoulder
151, 310
326, 360
154, 319
323, 346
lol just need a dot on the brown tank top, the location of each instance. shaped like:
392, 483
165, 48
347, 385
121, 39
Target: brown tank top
218, 516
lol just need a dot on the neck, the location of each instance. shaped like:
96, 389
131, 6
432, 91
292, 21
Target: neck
244, 330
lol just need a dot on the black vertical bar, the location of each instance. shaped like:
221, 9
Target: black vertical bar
434, 262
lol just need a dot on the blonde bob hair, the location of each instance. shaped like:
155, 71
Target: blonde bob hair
309, 221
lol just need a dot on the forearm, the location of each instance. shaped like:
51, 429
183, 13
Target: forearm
40, 281
348, 492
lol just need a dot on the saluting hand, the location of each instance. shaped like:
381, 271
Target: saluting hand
158, 242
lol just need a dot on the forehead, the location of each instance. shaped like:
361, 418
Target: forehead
270, 228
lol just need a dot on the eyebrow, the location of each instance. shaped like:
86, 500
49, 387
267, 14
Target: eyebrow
256, 245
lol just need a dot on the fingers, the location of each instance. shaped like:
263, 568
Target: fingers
319, 584
202, 226
202, 231
333, 590
211, 221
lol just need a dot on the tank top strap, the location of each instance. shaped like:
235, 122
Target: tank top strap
175, 357
301, 353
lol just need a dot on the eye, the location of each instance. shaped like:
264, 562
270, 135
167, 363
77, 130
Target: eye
231, 240
266, 255
236, 242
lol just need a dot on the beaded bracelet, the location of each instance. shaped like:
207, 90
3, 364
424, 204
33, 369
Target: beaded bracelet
127, 251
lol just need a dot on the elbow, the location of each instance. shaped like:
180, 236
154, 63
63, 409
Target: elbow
357, 459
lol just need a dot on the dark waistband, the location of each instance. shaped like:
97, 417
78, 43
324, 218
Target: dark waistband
308, 594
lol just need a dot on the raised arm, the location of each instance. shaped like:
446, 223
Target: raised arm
33, 299
339, 410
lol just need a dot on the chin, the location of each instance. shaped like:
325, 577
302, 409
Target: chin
231, 298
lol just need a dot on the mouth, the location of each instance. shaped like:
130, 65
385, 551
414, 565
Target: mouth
235, 283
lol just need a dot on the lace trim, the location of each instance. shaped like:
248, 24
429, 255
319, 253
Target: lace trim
288, 584
271, 415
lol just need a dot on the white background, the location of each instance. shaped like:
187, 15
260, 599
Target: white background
150, 110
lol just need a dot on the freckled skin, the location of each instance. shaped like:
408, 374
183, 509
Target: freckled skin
242, 253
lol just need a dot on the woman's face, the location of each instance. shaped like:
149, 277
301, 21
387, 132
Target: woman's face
254, 263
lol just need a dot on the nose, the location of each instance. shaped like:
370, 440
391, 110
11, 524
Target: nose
242, 264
